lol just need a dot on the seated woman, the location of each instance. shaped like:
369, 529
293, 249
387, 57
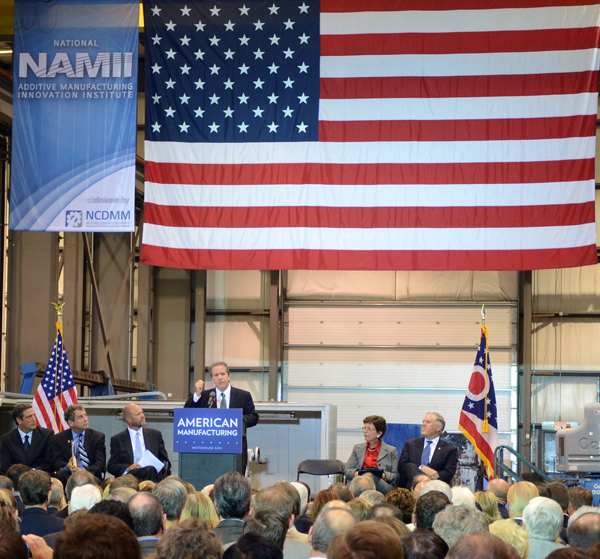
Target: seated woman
374, 454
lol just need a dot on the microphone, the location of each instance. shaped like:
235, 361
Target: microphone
211, 399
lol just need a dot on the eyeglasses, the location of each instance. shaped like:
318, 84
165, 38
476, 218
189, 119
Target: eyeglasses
368, 429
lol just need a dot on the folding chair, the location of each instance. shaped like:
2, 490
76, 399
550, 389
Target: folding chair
320, 467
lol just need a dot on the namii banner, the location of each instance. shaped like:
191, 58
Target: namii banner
74, 115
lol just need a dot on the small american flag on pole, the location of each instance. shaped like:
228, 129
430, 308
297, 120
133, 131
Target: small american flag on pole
57, 390
478, 418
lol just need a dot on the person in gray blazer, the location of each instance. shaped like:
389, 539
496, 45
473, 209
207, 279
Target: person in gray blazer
374, 454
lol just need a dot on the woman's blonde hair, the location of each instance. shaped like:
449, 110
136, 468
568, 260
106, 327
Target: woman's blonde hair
488, 504
518, 497
198, 505
512, 534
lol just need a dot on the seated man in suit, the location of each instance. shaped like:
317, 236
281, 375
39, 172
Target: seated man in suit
128, 447
27, 444
428, 454
225, 396
34, 488
78, 448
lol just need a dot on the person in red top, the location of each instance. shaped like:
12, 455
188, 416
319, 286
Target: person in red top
374, 454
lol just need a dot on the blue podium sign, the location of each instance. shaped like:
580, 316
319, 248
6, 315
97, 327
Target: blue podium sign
206, 431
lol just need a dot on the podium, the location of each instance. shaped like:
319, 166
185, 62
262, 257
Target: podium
210, 442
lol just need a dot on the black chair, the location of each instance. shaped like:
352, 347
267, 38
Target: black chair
320, 468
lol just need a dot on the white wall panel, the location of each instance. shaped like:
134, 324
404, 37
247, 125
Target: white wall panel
568, 290
423, 326
356, 367
566, 344
236, 289
333, 285
241, 341
561, 398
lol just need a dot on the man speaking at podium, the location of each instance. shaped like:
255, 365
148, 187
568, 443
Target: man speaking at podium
225, 396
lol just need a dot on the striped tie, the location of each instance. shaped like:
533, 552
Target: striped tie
82, 457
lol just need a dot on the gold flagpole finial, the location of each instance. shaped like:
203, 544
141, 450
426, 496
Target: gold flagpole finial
59, 315
483, 315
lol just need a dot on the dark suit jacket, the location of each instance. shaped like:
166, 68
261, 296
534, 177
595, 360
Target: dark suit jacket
39, 456
229, 530
37, 521
93, 443
121, 451
239, 399
444, 460
503, 510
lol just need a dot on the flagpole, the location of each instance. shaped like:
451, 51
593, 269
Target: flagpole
59, 325
485, 427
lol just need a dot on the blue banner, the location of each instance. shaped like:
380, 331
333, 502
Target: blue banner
210, 430
74, 115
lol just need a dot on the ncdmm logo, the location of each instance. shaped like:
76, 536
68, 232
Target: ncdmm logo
104, 215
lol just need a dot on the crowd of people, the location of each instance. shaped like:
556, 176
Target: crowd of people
125, 518
390, 508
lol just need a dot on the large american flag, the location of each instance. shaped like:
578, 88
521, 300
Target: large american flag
479, 416
370, 134
57, 391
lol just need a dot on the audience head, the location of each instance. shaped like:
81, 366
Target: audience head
273, 498
481, 545
463, 496
342, 491
8, 498
543, 519
402, 499
417, 489
24, 417
377, 422
269, 524
360, 484
438, 485
321, 498
253, 546
9, 517
147, 515
232, 495
518, 497
498, 487
560, 494
427, 507
84, 497
488, 504
433, 425
512, 534
97, 536
147, 485
361, 508
304, 492
399, 527
122, 494
456, 520
191, 539
579, 497
6, 483
329, 524
542, 488
113, 508
78, 479
198, 505
57, 494
424, 544
172, 496
126, 480
34, 487
367, 540
134, 416
15, 472
292, 493
374, 497
569, 553
385, 510
584, 528
12, 544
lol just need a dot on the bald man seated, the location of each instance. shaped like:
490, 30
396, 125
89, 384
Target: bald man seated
127, 447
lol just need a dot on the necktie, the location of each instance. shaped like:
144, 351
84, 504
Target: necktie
223, 400
137, 450
82, 458
425, 455
26, 443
